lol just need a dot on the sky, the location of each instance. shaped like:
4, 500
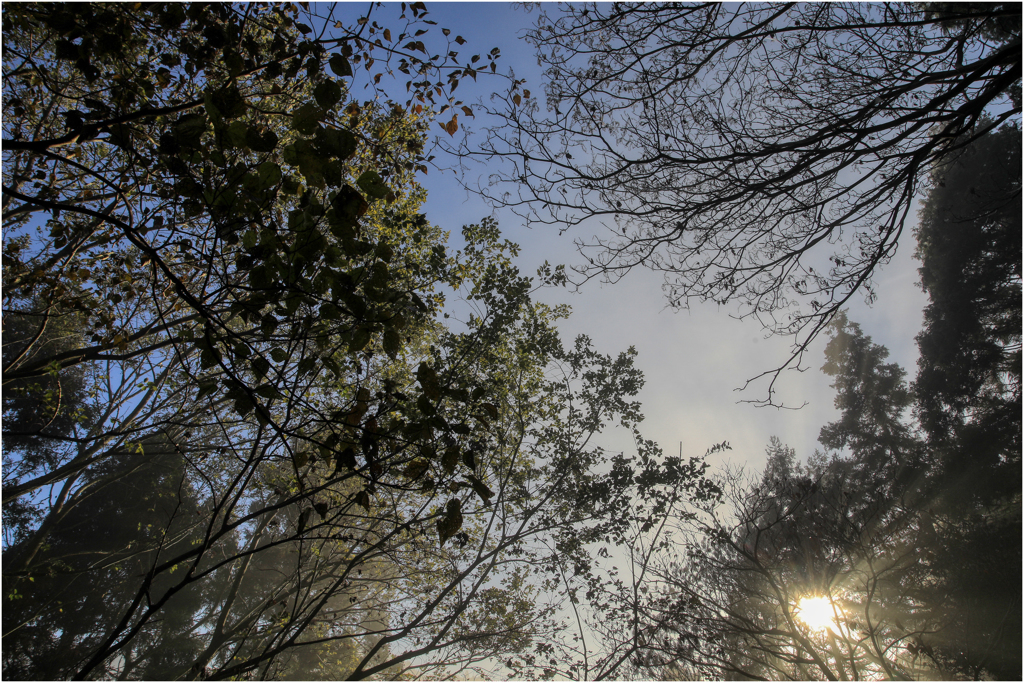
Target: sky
694, 360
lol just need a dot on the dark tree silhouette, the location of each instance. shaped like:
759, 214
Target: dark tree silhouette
763, 154
968, 385
921, 580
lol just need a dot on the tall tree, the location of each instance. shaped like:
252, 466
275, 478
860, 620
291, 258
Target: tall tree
968, 385
862, 564
246, 444
761, 153
968, 392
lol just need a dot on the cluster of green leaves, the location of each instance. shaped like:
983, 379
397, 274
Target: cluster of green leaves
207, 241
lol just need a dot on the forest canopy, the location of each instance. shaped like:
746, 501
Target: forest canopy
238, 439
264, 419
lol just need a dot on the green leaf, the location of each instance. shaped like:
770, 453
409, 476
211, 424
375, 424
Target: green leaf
327, 94
244, 405
469, 459
269, 174
450, 459
290, 154
373, 185
347, 459
336, 142
188, 130
206, 386
250, 238
258, 141
384, 252
379, 275
208, 358
237, 134
349, 205
392, 342
229, 102
360, 338
306, 118
397, 321
415, 469
261, 277
260, 366
331, 365
306, 366
311, 165
268, 325
304, 519
450, 524
268, 391
425, 406
121, 135
340, 66
428, 380
234, 62
66, 50
355, 304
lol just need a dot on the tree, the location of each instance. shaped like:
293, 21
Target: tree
194, 195
164, 199
905, 532
764, 154
326, 567
242, 441
968, 382
138, 505
875, 402
967, 390
861, 564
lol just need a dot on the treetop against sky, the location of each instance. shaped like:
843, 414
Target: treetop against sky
269, 412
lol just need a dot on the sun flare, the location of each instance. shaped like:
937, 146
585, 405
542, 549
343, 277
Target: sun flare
816, 613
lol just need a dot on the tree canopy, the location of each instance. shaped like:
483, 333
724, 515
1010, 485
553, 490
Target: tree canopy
240, 438
904, 531
764, 154
968, 382
865, 563
263, 420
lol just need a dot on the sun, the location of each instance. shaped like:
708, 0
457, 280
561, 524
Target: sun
817, 613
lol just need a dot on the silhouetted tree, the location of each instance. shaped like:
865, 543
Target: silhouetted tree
767, 154
921, 579
968, 386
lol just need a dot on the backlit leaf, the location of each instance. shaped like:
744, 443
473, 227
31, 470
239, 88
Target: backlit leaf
373, 185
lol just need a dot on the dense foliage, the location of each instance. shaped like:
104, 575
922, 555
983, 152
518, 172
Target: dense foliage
240, 439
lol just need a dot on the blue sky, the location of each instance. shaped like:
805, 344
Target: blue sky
693, 360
